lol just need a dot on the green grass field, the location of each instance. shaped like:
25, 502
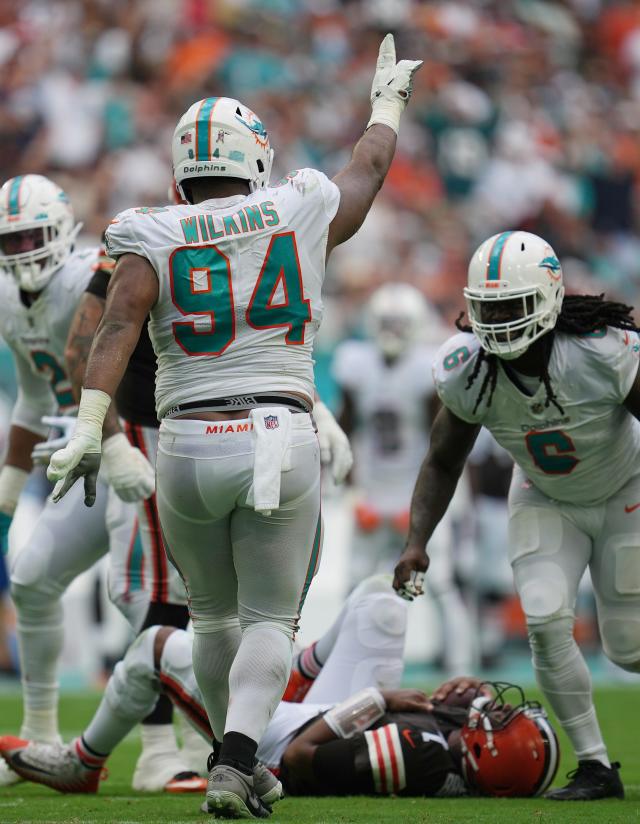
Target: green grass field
118, 803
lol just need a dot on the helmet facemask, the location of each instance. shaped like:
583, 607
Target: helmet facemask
529, 311
33, 269
37, 230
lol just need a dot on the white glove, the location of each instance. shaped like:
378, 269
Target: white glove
43, 451
413, 587
81, 456
128, 471
334, 444
392, 86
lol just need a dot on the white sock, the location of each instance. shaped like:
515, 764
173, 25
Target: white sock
258, 678
107, 729
213, 655
564, 678
158, 737
40, 639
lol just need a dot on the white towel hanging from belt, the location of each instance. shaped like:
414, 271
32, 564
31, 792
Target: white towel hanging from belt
271, 437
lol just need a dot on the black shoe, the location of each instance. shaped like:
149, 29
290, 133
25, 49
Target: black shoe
592, 780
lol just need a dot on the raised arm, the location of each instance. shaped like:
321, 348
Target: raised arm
133, 291
361, 179
451, 441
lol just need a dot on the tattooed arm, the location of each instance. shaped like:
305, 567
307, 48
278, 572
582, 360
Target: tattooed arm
81, 334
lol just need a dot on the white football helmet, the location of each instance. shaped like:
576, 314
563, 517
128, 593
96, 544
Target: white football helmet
515, 292
33, 203
398, 315
220, 137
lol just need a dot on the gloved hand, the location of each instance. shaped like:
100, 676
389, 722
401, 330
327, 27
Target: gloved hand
5, 523
43, 451
128, 471
392, 85
334, 444
81, 456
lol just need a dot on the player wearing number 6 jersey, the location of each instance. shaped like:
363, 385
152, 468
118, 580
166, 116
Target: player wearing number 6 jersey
555, 380
232, 281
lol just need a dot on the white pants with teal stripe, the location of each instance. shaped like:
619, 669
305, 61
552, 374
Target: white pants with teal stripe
237, 562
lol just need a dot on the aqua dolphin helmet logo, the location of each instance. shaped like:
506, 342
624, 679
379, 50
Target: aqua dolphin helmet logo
552, 265
255, 125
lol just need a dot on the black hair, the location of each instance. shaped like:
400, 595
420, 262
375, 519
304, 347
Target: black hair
579, 315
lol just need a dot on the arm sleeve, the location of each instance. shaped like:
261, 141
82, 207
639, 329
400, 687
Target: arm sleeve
35, 399
99, 283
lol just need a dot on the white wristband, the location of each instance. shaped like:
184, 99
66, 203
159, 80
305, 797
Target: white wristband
12, 481
94, 404
356, 713
387, 113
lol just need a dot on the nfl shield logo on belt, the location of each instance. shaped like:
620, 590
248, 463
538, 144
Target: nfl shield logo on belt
271, 422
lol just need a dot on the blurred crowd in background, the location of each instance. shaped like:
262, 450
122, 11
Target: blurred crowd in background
526, 115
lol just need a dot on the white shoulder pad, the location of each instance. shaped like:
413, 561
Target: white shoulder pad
452, 367
311, 189
121, 237
350, 363
610, 357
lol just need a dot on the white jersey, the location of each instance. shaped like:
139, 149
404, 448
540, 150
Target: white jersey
283, 726
37, 336
392, 426
240, 278
582, 455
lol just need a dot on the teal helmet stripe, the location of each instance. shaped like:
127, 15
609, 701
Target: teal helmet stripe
203, 134
14, 192
495, 256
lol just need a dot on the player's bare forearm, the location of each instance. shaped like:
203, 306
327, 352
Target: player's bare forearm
76, 354
132, 293
451, 442
20, 447
360, 181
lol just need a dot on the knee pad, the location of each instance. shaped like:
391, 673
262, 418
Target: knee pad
134, 687
542, 600
621, 642
550, 640
35, 601
380, 620
203, 624
380, 583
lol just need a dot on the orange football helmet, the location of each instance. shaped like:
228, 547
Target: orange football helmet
508, 749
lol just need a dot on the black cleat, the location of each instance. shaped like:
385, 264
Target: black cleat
589, 782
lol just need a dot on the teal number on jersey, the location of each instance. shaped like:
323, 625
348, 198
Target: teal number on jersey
201, 285
552, 451
47, 364
456, 357
280, 271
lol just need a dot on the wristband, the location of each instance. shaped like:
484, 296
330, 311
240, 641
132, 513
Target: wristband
92, 411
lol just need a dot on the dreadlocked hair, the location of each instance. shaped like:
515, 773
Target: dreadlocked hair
579, 315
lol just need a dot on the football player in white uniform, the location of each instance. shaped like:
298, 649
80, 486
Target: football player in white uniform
41, 281
555, 380
388, 405
232, 282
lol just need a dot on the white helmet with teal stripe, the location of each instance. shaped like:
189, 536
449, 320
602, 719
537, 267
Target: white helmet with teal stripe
37, 230
514, 292
220, 137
